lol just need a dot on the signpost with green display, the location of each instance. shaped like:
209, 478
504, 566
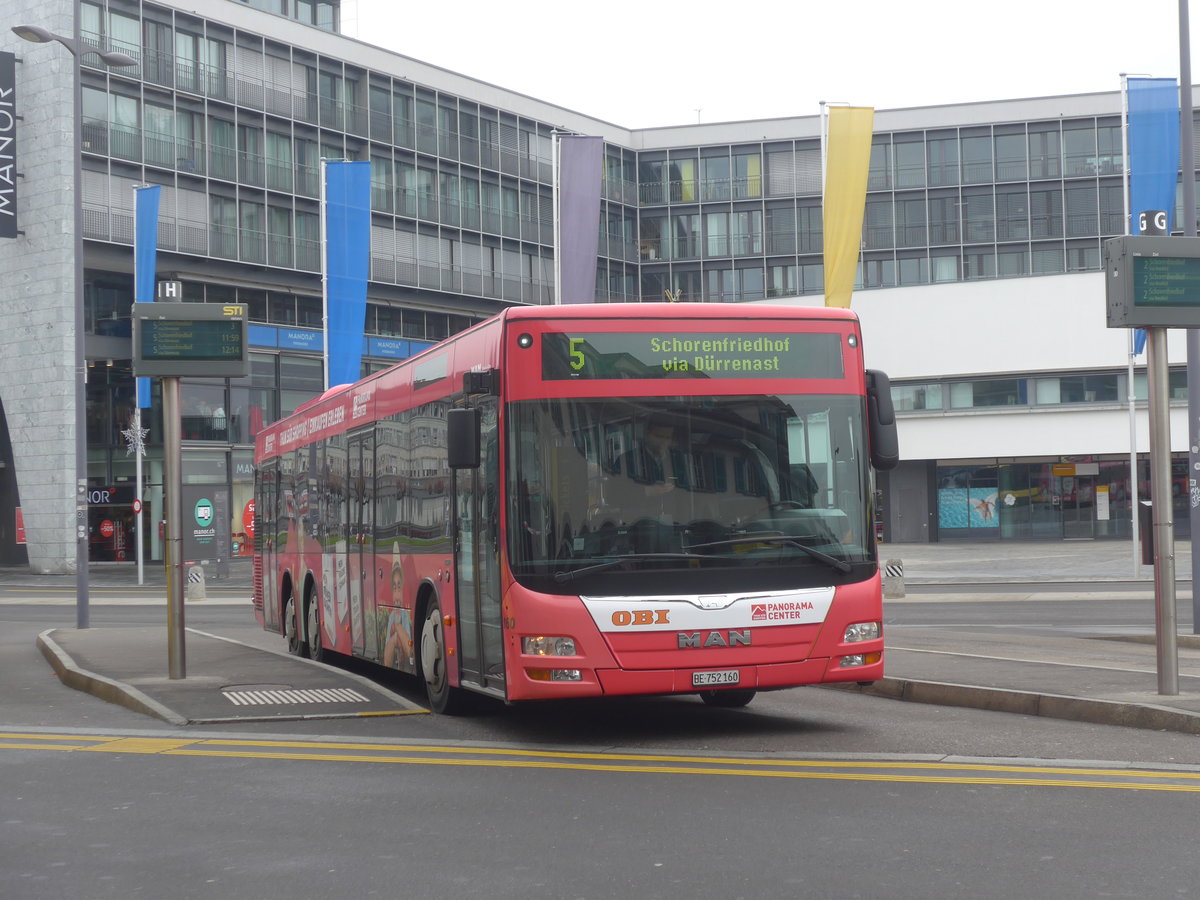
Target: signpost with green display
1153, 282
196, 340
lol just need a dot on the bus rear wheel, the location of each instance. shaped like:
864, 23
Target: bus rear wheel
435, 666
315, 651
728, 699
291, 629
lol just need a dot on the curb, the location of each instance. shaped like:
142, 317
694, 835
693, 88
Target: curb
107, 689
1027, 703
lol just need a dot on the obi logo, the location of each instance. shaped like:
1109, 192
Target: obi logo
758, 612
623, 617
204, 513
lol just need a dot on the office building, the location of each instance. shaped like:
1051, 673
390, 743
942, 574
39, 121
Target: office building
980, 289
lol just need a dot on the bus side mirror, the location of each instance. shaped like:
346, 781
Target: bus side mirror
881, 422
462, 438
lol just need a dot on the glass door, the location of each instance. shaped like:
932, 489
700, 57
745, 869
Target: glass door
1077, 503
361, 546
477, 559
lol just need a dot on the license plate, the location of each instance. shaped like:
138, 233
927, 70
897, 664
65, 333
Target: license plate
706, 679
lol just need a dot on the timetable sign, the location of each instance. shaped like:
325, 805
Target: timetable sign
1152, 282
192, 339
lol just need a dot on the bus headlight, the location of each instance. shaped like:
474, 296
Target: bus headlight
555, 674
862, 631
548, 646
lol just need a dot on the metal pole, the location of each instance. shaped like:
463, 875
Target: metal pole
555, 145
1134, 499
173, 557
1188, 168
137, 481
1160, 499
1131, 394
82, 611
324, 279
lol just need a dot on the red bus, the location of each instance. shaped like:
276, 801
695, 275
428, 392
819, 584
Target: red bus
579, 501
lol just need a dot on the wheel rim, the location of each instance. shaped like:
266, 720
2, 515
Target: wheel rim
289, 625
433, 659
314, 629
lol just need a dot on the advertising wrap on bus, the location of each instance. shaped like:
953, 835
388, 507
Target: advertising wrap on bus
526, 511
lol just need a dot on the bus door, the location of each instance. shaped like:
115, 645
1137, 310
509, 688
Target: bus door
267, 519
477, 561
360, 549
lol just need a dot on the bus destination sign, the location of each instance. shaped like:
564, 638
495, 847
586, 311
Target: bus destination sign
193, 339
648, 355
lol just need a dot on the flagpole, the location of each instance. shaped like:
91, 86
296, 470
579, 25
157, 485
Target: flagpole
1187, 152
556, 138
137, 480
1135, 499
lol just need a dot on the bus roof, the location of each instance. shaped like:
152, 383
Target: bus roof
677, 310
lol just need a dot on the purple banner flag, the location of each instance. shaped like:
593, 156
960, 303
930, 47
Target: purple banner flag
145, 259
579, 162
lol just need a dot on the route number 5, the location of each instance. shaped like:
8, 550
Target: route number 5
577, 357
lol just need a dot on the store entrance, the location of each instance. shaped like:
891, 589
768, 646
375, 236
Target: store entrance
1076, 495
111, 536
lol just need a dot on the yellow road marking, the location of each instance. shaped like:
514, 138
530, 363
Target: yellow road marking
140, 745
623, 763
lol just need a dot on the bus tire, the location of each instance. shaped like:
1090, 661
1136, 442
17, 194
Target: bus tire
728, 699
291, 629
435, 664
312, 606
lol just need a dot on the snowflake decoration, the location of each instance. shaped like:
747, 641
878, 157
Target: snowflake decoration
135, 438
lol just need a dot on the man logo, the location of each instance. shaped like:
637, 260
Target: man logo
693, 641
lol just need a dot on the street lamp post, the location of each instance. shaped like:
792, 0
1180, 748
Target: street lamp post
39, 35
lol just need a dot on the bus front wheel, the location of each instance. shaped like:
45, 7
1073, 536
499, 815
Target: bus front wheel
435, 664
728, 699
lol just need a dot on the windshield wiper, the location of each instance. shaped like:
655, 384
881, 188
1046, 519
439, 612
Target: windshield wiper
563, 576
840, 564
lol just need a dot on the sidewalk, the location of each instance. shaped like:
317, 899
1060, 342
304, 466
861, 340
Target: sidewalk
1106, 678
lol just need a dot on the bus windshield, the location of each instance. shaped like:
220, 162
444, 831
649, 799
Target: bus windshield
696, 487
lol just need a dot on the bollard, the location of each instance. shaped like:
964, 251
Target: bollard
893, 579
196, 589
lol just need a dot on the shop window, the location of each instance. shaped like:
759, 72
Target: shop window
966, 498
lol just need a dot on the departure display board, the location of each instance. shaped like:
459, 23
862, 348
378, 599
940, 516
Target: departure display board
709, 355
1153, 281
192, 339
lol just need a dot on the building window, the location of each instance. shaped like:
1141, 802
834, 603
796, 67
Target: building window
996, 392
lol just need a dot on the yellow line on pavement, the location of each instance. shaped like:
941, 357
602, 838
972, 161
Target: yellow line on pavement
623, 763
697, 770
721, 760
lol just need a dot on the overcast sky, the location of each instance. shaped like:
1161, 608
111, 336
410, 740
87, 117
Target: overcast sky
643, 64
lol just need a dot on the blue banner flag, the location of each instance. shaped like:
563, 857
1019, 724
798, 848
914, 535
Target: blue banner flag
579, 164
145, 256
1153, 147
347, 265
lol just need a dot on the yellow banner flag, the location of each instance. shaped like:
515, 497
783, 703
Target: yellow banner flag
847, 161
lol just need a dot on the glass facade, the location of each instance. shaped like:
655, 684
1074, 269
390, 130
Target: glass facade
1070, 499
233, 124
